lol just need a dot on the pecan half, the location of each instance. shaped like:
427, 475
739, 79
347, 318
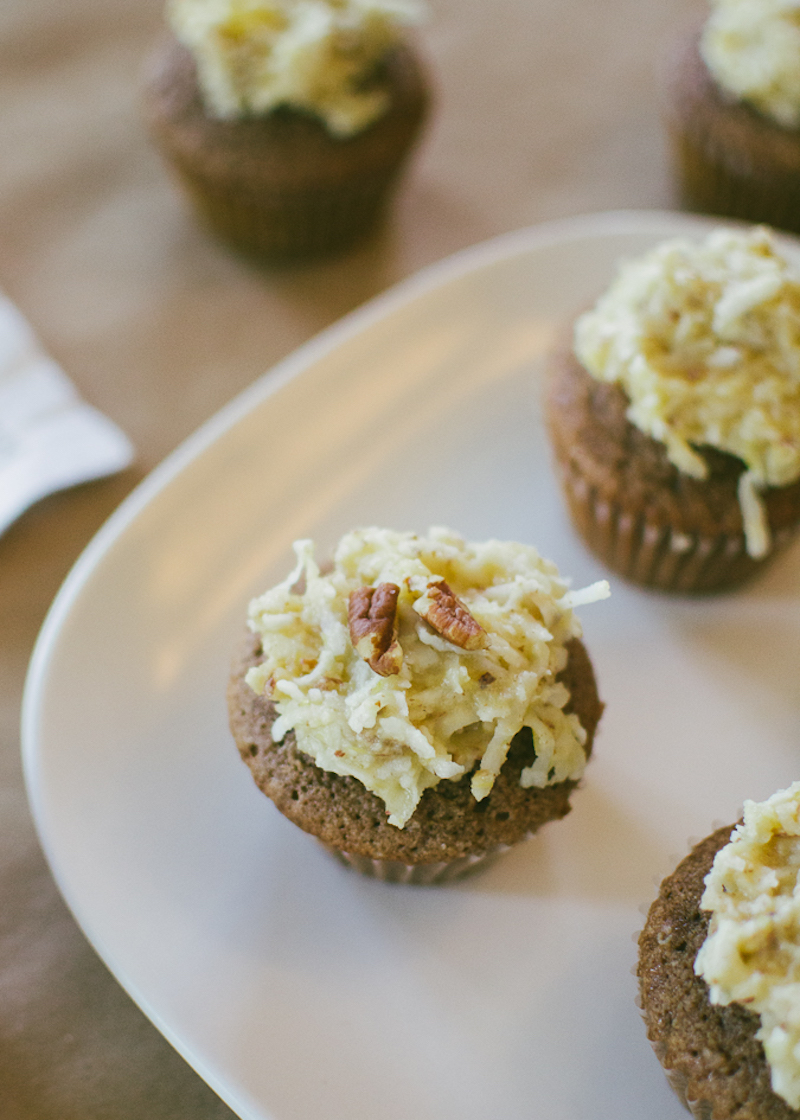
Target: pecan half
448, 616
372, 615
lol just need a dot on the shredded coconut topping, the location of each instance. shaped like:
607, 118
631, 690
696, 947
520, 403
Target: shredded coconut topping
752, 48
447, 707
704, 337
315, 55
752, 953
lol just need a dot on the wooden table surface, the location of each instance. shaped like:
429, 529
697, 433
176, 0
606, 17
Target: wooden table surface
545, 108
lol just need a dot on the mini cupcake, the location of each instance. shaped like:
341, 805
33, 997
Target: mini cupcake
719, 968
675, 413
288, 122
733, 111
421, 703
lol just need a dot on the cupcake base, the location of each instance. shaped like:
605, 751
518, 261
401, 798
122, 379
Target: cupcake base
710, 1053
280, 186
637, 512
728, 158
419, 874
449, 834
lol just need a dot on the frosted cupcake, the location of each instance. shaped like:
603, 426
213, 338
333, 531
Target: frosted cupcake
719, 968
421, 703
288, 122
733, 111
675, 413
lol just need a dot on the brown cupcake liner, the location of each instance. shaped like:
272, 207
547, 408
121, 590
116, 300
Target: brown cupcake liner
714, 180
728, 159
657, 555
287, 224
677, 1080
420, 874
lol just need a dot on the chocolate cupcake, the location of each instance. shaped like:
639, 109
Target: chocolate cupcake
732, 103
675, 414
288, 124
718, 967
419, 706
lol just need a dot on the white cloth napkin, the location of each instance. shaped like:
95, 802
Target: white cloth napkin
49, 437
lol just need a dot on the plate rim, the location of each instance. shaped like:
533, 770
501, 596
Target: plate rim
461, 264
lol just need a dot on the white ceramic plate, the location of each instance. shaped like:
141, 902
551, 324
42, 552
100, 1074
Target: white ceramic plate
300, 990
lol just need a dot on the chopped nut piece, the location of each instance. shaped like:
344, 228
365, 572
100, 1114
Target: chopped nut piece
448, 616
372, 615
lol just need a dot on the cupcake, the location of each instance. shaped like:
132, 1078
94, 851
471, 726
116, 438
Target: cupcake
288, 122
674, 413
732, 95
419, 704
719, 968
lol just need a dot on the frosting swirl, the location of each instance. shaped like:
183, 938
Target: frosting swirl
314, 55
752, 50
436, 703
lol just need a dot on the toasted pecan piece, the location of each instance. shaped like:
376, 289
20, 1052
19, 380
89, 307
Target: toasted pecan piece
444, 611
372, 616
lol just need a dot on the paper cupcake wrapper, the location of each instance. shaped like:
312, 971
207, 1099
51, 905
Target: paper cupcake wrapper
737, 166
712, 179
701, 1109
659, 556
421, 874
288, 224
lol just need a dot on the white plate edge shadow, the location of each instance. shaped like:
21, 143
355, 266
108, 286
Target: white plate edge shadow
434, 277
